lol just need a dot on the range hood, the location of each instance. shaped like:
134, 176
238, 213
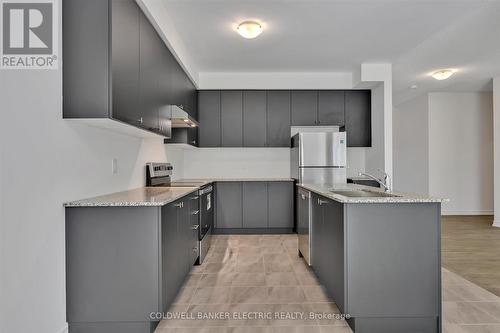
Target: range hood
180, 118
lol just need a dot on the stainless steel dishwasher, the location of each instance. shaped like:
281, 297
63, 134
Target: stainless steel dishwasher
304, 223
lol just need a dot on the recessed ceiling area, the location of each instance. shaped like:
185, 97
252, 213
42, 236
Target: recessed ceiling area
416, 37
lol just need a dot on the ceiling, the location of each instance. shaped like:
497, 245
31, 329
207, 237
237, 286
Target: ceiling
417, 37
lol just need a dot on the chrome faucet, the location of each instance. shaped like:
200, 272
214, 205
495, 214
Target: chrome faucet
385, 182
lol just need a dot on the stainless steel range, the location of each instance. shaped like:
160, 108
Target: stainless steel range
201, 209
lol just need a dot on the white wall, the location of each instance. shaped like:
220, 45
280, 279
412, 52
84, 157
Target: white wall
496, 147
461, 151
411, 146
46, 161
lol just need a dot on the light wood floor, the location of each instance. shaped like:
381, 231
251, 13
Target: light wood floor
471, 248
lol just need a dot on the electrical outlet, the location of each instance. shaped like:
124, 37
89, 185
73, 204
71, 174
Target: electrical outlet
114, 166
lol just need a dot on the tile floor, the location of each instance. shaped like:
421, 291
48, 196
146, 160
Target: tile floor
259, 274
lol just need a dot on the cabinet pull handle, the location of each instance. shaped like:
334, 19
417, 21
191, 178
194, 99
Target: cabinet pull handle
195, 198
140, 120
322, 202
179, 205
195, 249
303, 197
195, 227
193, 142
195, 212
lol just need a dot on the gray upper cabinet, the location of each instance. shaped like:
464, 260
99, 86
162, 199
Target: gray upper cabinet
278, 118
331, 108
116, 66
232, 118
304, 107
150, 51
125, 61
358, 118
229, 205
255, 205
209, 118
257, 118
280, 204
254, 118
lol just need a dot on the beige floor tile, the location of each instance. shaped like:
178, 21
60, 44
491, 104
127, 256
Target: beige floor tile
250, 314
227, 267
478, 329
249, 279
285, 295
296, 329
248, 329
315, 294
192, 280
211, 295
326, 314
290, 315
307, 278
466, 291
284, 266
217, 280
272, 249
466, 313
336, 329
281, 279
249, 267
184, 296
254, 295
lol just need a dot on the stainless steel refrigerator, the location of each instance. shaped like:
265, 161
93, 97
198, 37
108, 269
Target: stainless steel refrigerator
319, 157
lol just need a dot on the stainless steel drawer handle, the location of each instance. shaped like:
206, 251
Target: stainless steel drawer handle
195, 249
303, 197
195, 212
179, 205
322, 202
195, 227
195, 198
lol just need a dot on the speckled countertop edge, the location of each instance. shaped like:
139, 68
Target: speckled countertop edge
401, 197
140, 197
155, 196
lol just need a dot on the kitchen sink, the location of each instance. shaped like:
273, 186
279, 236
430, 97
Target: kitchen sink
364, 194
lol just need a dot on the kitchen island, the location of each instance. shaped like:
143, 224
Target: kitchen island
378, 255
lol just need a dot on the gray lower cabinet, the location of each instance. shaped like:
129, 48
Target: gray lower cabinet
124, 263
366, 256
304, 107
278, 118
231, 118
209, 118
280, 204
254, 206
254, 118
229, 205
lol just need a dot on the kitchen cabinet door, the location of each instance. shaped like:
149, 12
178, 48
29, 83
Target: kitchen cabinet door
331, 108
229, 205
358, 124
209, 114
125, 60
316, 234
304, 107
149, 55
170, 256
278, 118
280, 204
254, 118
255, 205
232, 118
334, 246
194, 215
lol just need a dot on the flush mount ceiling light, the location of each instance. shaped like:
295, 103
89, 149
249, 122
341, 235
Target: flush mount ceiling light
442, 74
249, 29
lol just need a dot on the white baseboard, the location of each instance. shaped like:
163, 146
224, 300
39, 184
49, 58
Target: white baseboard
64, 329
468, 212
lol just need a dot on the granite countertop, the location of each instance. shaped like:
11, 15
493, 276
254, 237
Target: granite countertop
397, 198
145, 196
155, 196
212, 180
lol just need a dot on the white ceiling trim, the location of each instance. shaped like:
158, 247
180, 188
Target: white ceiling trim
275, 80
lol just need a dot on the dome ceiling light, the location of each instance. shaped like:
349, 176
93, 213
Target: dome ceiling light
249, 29
442, 74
